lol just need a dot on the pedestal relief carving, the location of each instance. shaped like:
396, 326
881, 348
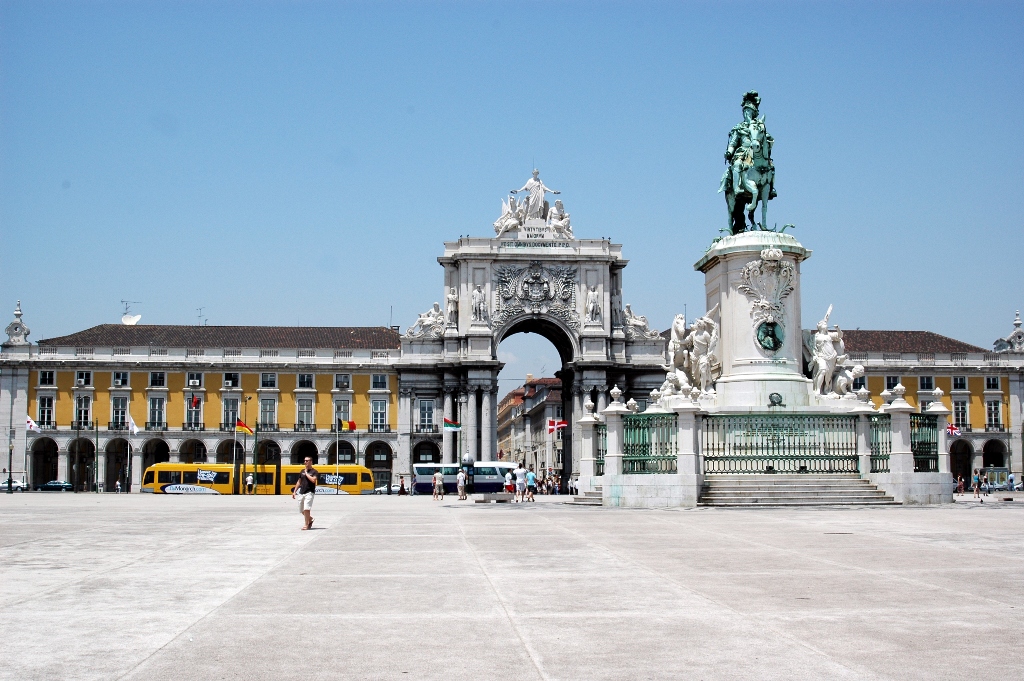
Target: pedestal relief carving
767, 282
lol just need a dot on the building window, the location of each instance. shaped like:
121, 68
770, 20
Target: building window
891, 382
959, 383
120, 379
83, 409
268, 380
193, 410
83, 378
119, 411
960, 413
860, 382
195, 380
924, 405
157, 379
378, 415
305, 412
156, 410
379, 382
232, 380
230, 412
993, 413
45, 412
305, 380
641, 405
342, 381
925, 383
342, 411
991, 383
46, 378
426, 413
268, 410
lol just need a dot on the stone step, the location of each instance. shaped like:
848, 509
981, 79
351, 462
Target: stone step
757, 503
596, 494
791, 490
866, 493
585, 501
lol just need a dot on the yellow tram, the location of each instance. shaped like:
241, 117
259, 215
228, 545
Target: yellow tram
223, 478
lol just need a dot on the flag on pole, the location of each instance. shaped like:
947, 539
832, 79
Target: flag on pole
452, 425
346, 426
952, 430
32, 425
195, 400
240, 427
555, 424
132, 428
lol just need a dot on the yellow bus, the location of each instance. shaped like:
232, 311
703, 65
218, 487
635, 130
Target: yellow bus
220, 478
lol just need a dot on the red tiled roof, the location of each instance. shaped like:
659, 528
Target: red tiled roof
904, 341
172, 336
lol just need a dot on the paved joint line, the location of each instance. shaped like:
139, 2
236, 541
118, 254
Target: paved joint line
534, 657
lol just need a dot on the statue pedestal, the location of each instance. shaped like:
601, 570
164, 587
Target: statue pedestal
754, 279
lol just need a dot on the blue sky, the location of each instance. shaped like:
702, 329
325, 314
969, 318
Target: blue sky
284, 163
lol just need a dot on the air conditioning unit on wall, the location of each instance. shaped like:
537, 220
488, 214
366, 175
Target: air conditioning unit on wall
118, 382
193, 383
228, 384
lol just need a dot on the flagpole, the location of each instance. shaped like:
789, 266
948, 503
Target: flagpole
337, 447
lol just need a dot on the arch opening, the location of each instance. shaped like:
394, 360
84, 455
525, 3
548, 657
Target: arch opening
45, 465
117, 465
224, 454
426, 452
993, 454
82, 464
346, 450
302, 449
193, 451
155, 451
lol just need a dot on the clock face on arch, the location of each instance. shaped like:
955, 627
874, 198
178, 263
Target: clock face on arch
770, 336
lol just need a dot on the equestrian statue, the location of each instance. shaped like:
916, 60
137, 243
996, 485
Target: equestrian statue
750, 177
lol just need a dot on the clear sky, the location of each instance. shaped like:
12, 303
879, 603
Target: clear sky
301, 163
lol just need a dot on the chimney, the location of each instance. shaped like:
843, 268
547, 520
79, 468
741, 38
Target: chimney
529, 377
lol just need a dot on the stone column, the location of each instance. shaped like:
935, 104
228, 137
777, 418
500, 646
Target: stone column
493, 444
689, 467
136, 469
63, 465
602, 398
486, 427
447, 446
940, 411
901, 459
613, 414
101, 471
587, 451
469, 425
176, 457
403, 462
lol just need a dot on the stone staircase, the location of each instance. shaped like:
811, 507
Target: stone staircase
587, 498
762, 490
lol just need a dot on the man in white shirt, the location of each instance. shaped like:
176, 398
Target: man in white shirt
438, 485
509, 486
460, 481
520, 482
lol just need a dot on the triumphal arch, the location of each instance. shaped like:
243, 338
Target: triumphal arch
532, 276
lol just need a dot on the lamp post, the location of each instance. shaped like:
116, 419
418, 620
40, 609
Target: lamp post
10, 437
245, 439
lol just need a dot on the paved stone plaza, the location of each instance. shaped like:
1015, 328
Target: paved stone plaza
163, 587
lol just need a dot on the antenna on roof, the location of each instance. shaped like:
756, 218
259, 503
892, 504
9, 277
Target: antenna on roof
391, 315
200, 317
129, 319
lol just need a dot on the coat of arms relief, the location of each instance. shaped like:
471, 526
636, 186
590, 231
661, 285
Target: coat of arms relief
767, 282
536, 289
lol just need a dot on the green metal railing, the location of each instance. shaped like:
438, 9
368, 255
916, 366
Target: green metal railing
601, 433
767, 443
881, 442
649, 443
924, 442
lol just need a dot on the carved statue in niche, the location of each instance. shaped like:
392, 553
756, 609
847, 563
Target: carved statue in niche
479, 301
452, 303
593, 306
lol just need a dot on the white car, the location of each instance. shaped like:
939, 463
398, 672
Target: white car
16, 485
383, 489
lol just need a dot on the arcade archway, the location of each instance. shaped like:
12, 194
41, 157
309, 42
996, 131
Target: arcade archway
302, 449
44, 461
341, 452
961, 458
155, 451
993, 454
192, 451
224, 453
426, 452
82, 464
379, 461
117, 465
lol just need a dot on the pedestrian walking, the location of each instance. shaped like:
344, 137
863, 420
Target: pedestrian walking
509, 486
960, 485
520, 483
984, 483
438, 485
1009, 482
531, 484
976, 484
117, 487
460, 483
248, 483
305, 490
401, 485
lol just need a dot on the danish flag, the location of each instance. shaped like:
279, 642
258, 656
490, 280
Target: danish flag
554, 424
952, 430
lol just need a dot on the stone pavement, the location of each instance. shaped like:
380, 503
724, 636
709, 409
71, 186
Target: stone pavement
162, 587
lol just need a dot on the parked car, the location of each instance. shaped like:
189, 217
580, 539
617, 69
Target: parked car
383, 489
16, 485
55, 486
